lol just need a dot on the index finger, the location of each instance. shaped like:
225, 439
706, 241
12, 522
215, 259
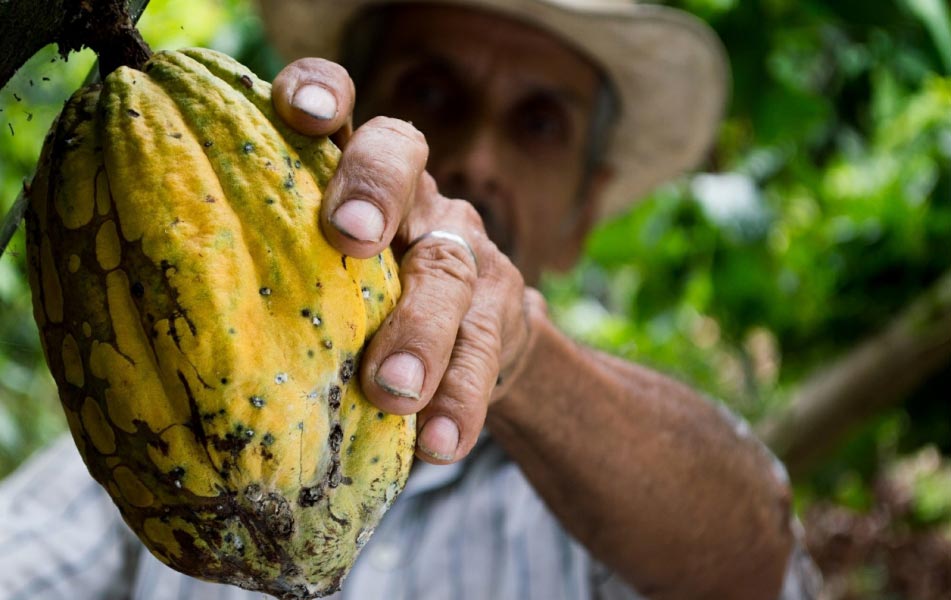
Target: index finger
314, 96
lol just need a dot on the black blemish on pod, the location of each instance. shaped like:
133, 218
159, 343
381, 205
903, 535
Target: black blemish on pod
328, 344
267, 439
305, 312
176, 475
380, 415
265, 291
246, 81
309, 496
133, 113
343, 261
346, 370
137, 289
289, 181
248, 147
208, 144
256, 401
310, 353
297, 164
333, 397
336, 437
224, 381
269, 200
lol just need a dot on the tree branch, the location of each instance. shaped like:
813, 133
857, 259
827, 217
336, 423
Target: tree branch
104, 25
877, 374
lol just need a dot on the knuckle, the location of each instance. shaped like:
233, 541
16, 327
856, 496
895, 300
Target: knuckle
468, 215
403, 130
442, 261
479, 334
376, 176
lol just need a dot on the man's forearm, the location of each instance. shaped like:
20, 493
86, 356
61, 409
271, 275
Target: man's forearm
650, 477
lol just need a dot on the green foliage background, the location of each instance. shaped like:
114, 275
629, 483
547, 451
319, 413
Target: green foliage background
825, 208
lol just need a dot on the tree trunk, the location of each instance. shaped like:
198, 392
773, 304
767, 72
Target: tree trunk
875, 375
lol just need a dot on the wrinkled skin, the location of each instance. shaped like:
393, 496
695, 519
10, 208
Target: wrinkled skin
679, 504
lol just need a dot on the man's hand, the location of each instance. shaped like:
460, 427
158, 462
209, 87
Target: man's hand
462, 319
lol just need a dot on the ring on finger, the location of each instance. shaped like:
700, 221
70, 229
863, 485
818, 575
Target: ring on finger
449, 237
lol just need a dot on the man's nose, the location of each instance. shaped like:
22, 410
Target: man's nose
473, 168
470, 167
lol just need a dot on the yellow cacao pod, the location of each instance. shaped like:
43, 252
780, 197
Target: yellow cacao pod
203, 335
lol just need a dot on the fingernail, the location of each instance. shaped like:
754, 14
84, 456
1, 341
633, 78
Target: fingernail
401, 374
439, 438
315, 101
360, 220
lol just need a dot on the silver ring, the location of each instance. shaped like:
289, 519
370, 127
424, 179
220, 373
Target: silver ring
450, 237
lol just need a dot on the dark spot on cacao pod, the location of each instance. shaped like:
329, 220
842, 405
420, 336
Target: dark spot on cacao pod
379, 415
247, 82
336, 436
310, 353
232, 331
353, 438
210, 199
269, 200
346, 371
267, 439
289, 181
300, 425
278, 518
346, 481
208, 144
248, 147
253, 492
328, 344
343, 261
256, 401
265, 291
333, 397
249, 433
333, 480
375, 460
297, 164
137, 289
177, 135
133, 113
224, 381
305, 312
177, 473
379, 297
353, 406
309, 496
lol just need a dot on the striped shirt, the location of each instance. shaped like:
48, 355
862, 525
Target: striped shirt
473, 530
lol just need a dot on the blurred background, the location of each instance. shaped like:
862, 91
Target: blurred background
802, 276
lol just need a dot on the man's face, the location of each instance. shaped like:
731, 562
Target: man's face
506, 110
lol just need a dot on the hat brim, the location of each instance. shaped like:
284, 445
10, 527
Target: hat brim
668, 67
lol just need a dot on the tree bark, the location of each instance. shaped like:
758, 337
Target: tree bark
875, 375
28, 25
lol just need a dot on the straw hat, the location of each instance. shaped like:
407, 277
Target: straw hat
668, 67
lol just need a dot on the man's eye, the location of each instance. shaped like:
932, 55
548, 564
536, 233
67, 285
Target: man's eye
541, 122
424, 94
